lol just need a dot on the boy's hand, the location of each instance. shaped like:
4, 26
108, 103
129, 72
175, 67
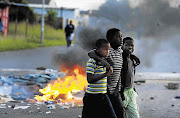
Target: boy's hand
110, 71
137, 60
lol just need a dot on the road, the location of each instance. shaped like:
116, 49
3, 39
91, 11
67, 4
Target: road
154, 100
29, 59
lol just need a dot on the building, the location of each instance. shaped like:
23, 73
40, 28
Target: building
4, 15
64, 14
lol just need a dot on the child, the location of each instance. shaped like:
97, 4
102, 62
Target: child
114, 36
127, 78
96, 102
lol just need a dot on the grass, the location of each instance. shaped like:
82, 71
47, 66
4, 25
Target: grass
18, 41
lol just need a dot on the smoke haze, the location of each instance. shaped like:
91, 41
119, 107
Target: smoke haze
153, 22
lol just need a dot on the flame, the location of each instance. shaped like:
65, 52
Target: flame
74, 81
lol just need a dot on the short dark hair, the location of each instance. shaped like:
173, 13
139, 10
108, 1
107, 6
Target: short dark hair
126, 39
110, 33
100, 42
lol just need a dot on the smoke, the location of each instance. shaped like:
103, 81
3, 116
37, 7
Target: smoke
70, 57
149, 18
151, 21
78, 53
88, 36
159, 18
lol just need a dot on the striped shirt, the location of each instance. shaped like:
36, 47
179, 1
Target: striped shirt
116, 56
101, 85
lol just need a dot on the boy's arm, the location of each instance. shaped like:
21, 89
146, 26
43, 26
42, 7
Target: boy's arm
91, 78
106, 63
136, 59
92, 54
109, 60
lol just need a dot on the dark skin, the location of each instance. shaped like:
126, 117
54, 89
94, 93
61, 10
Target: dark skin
128, 47
104, 52
116, 40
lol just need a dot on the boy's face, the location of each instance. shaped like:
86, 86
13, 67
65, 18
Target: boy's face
104, 50
117, 39
128, 46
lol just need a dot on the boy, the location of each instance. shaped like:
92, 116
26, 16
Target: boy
96, 102
127, 78
114, 36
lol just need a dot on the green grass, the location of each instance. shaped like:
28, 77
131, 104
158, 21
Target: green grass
52, 37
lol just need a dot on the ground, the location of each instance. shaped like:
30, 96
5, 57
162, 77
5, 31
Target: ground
154, 99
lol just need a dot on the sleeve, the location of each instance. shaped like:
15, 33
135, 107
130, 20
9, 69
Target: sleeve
136, 60
65, 29
90, 67
109, 60
104, 62
93, 55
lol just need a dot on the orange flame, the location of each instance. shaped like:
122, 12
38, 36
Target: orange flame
74, 81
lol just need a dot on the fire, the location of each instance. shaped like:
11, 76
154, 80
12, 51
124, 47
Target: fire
74, 81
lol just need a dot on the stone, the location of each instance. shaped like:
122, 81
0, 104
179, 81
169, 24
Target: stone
173, 86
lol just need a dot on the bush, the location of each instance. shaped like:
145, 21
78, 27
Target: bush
22, 13
51, 17
52, 37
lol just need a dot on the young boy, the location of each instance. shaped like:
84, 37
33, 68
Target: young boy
114, 36
96, 102
127, 78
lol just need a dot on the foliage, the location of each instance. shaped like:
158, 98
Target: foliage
2, 6
52, 37
51, 17
20, 12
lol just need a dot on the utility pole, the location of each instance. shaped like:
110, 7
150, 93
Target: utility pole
42, 22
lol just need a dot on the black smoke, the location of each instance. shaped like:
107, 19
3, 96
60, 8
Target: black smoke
152, 21
151, 18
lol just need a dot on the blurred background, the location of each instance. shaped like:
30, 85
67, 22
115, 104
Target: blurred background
153, 24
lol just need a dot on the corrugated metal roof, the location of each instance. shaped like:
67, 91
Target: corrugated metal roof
37, 1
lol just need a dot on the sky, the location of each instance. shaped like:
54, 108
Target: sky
81, 4
94, 4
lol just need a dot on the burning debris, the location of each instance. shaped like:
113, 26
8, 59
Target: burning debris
57, 104
46, 89
62, 89
56, 92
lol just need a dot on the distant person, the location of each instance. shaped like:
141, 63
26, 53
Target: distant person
96, 102
69, 30
1, 27
127, 78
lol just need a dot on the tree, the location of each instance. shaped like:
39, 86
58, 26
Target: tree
3, 5
51, 17
20, 12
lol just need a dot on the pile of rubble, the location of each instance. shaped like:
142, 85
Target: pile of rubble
17, 90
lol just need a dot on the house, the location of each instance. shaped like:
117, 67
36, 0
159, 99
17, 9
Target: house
64, 14
4, 15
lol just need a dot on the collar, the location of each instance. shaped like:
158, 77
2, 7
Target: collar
117, 50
